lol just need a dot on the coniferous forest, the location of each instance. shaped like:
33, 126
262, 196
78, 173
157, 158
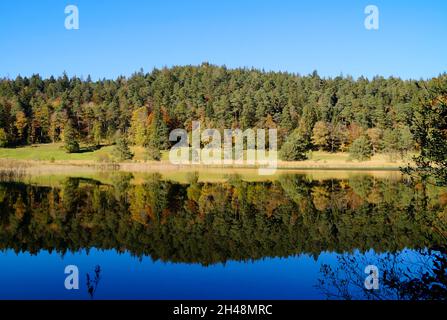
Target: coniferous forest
200, 152
362, 116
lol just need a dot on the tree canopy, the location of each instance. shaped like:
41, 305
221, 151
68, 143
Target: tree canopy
331, 113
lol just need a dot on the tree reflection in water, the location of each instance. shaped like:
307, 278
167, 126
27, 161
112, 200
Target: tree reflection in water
210, 223
420, 275
93, 281
406, 275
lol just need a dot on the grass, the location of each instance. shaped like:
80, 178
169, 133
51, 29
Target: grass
8, 175
344, 157
54, 152
49, 152
85, 164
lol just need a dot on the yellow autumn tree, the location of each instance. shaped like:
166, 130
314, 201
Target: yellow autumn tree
138, 126
21, 123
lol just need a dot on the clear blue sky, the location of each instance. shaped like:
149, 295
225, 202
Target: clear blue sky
120, 37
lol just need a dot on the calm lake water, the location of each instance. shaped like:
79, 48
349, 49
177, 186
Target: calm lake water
291, 238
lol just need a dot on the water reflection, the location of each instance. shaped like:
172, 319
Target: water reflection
93, 281
208, 223
407, 275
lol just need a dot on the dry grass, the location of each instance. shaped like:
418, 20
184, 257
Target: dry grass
12, 171
50, 159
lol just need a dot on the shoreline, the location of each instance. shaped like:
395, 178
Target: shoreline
77, 166
53, 158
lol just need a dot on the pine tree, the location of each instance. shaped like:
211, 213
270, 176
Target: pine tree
248, 113
307, 122
320, 135
121, 150
286, 119
405, 140
429, 126
157, 135
361, 149
294, 148
390, 142
71, 143
97, 133
3, 138
375, 136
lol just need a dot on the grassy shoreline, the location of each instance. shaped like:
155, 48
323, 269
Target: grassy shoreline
52, 158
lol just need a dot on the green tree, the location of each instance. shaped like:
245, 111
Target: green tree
429, 126
3, 138
97, 133
286, 118
157, 135
71, 143
375, 136
138, 127
121, 150
320, 135
361, 149
390, 142
294, 148
21, 125
307, 122
406, 142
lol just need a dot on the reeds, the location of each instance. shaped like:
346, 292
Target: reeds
12, 171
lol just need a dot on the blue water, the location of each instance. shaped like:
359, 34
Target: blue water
25, 276
195, 227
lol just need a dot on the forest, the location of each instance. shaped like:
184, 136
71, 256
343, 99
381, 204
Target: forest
362, 116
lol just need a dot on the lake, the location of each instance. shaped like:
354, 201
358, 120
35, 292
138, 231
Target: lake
295, 236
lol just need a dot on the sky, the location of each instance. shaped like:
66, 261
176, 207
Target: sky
118, 37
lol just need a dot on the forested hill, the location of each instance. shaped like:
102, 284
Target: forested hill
330, 113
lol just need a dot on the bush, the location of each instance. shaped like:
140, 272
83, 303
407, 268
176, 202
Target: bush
103, 158
361, 149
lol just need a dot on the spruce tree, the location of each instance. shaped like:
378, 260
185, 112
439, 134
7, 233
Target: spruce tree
121, 150
3, 138
429, 126
97, 134
157, 135
294, 148
361, 149
71, 143
321, 135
